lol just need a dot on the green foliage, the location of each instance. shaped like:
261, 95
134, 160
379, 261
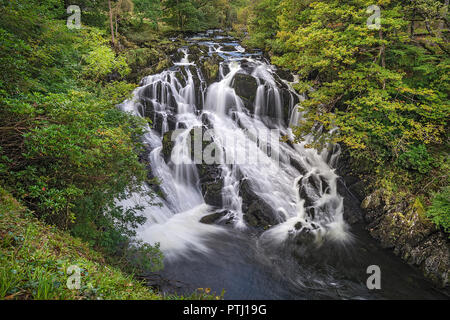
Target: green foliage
14, 66
262, 23
142, 257
382, 90
34, 261
101, 61
66, 151
148, 9
198, 15
439, 211
416, 158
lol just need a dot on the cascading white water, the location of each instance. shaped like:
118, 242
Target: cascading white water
242, 139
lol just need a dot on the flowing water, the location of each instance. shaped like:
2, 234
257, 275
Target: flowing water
306, 250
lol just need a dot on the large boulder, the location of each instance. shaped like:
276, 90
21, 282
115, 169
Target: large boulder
158, 121
212, 191
217, 218
246, 86
210, 68
257, 213
168, 145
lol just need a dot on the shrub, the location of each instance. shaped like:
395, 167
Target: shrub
439, 211
102, 61
416, 158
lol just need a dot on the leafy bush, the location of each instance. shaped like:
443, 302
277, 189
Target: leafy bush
416, 158
439, 211
102, 61
66, 151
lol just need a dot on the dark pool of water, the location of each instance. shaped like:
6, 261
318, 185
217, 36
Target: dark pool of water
245, 271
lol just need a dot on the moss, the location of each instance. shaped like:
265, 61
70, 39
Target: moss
163, 64
212, 69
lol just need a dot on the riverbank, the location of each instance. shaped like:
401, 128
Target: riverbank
398, 221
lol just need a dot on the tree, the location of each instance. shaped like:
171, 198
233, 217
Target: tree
148, 9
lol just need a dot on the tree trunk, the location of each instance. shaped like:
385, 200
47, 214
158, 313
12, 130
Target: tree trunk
117, 25
111, 22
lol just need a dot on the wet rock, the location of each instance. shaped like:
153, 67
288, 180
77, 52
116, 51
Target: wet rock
215, 218
257, 213
227, 48
248, 66
298, 225
212, 192
206, 121
309, 201
158, 121
358, 189
285, 74
309, 187
210, 68
305, 236
245, 86
311, 212
168, 145
352, 210
211, 183
297, 165
176, 57
433, 256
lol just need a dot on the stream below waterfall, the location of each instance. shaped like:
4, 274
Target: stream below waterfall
238, 209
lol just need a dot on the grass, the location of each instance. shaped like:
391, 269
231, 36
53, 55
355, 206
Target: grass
34, 262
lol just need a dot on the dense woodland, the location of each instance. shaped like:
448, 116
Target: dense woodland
66, 151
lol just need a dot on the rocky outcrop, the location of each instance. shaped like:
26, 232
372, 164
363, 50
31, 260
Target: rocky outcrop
257, 213
168, 145
245, 87
211, 183
217, 218
210, 68
401, 225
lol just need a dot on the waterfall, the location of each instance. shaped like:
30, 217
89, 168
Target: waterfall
297, 186
236, 207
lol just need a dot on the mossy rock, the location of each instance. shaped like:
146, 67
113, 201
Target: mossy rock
246, 86
168, 145
163, 64
210, 68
